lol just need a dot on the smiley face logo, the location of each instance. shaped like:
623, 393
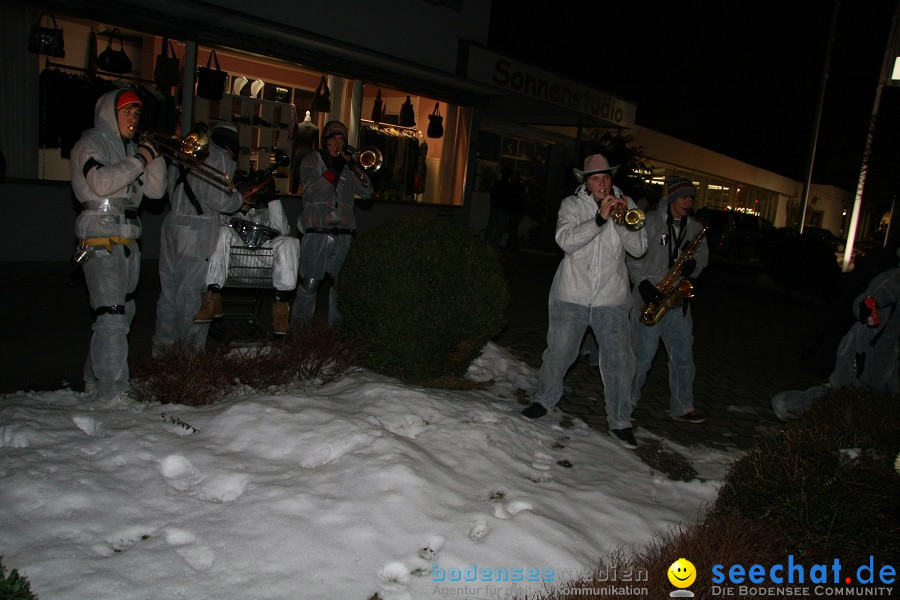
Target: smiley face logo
682, 573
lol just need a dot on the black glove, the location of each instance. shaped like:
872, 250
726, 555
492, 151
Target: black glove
649, 293
600, 220
688, 267
864, 312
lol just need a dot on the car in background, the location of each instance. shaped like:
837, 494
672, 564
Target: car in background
833, 241
734, 234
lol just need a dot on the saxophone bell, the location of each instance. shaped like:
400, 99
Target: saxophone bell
673, 289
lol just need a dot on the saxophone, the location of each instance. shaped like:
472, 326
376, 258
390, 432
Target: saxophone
672, 291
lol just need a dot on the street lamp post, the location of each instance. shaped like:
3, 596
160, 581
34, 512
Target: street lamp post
889, 58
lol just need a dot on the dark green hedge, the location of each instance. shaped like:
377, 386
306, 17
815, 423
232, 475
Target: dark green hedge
420, 297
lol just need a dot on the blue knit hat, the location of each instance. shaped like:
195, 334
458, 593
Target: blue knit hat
679, 186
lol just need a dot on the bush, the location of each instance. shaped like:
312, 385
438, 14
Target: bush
420, 298
13, 586
312, 352
826, 481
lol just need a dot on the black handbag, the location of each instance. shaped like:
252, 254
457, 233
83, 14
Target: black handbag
378, 108
407, 114
321, 101
114, 61
165, 74
211, 82
47, 40
435, 122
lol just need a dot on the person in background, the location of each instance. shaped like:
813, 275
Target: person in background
189, 234
331, 180
868, 352
498, 218
515, 210
264, 209
591, 289
669, 230
110, 175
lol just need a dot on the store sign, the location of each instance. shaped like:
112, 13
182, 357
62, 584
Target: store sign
520, 78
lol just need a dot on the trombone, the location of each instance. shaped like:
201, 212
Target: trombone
189, 152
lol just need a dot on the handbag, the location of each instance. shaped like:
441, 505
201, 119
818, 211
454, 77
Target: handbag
435, 122
114, 61
321, 101
165, 74
46, 40
211, 82
378, 108
407, 114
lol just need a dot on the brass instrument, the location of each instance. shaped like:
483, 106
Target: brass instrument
189, 152
632, 218
369, 158
672, 291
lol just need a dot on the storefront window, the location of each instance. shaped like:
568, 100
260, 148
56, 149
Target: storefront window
423, 143
273, 105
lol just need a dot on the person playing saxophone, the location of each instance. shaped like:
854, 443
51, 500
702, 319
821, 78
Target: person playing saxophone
670, 230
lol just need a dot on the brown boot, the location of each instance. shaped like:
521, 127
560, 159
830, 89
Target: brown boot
210, 308
281, 314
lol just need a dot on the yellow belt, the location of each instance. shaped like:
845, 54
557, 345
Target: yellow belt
108, 242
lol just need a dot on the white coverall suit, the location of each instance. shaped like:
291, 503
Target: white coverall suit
189, 234
109, 182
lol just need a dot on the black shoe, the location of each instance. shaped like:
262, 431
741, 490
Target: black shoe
625, 437
535, 411
691, 417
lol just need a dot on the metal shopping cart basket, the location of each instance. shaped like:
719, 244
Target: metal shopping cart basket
247, 289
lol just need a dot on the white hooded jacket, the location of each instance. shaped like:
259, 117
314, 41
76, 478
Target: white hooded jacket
108, 179
593, 270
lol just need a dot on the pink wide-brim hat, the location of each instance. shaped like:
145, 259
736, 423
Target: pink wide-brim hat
595, 163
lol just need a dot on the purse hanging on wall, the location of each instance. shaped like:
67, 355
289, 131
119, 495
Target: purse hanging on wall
211, 82
47, 40
378, 108
114, 61
435, 122
165, 74
321, 102
407, 114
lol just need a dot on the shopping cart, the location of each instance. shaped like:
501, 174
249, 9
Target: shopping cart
248, 288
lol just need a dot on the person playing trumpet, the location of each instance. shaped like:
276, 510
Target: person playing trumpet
331, 179
110, 174
591, 289
189, 234
669, 229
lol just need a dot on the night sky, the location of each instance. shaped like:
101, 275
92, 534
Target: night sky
743, 79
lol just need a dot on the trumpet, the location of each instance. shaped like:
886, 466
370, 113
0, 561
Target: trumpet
369, 158
188, 152
632, 218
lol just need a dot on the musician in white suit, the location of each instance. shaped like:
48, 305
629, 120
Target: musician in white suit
669, 231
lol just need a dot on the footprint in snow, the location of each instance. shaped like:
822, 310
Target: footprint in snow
89, 425
197, 555
479, 529
430, 551
542, 462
